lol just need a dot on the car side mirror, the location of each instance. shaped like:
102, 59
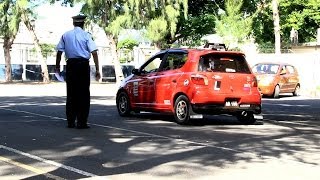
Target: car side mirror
135, 71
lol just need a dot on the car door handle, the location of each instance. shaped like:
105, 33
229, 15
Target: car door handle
174, 81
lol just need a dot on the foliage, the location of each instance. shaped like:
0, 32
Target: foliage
10, 17
233, 26
9, 25
47, 49
302, 15
160, 18
200, 22
127, 44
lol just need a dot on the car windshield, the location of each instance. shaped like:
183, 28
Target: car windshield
228, 63
266, 68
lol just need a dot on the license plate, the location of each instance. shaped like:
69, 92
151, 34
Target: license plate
231, 104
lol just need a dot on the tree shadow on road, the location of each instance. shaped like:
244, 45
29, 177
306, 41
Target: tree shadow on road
149, 143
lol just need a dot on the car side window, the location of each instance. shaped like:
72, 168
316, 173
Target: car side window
290, 69
174, 60
283, 70
153, 64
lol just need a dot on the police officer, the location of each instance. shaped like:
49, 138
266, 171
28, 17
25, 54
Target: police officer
78, 46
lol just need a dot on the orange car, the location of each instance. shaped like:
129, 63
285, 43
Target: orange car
276, 78
190, 83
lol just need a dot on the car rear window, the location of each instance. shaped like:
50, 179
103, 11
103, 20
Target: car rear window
223, 63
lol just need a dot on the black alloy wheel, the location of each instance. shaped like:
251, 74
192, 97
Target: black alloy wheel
182, 110
123, 104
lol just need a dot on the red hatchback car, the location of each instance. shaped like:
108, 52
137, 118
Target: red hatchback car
190, 83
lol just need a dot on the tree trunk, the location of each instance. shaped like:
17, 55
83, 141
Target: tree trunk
44, 67
6, 49
115, 59
276, 23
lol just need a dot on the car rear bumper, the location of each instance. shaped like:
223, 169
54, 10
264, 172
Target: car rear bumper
222, 109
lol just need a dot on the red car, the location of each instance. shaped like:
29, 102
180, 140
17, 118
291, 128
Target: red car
190, 83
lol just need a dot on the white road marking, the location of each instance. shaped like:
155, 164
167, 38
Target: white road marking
59, 165
31, 168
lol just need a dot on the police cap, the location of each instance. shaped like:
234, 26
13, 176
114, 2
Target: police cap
79, 18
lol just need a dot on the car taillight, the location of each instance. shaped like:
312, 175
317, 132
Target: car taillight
199, 79
254, 82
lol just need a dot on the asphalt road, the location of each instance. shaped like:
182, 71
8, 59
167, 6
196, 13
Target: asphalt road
35, 144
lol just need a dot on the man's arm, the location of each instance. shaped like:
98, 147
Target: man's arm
58, 59
96, 62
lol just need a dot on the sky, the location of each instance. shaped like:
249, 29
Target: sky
53, 20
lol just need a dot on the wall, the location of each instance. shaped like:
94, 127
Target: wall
307, 64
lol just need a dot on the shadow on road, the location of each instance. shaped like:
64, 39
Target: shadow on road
145, 142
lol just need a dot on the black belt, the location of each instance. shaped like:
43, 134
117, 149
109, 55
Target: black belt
78, 59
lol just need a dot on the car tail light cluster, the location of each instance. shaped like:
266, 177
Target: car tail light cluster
254, 82
199, 79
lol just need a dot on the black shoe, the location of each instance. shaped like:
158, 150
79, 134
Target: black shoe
83, 127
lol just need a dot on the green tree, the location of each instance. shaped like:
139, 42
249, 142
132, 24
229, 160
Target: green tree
302, 15
115, 15
200, 21
160, 18
47, 49
14, 12
233, 25
126, 46
9, 25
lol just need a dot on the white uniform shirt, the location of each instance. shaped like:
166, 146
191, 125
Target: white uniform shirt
76, 43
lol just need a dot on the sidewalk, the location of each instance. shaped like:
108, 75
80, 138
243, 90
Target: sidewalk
52, 89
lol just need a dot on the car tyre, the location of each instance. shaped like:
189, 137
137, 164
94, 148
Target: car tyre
246, 117
182, 110
276, 91
296, 91
123, 104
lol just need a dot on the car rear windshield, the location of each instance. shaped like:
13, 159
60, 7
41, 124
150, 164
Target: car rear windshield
228, 63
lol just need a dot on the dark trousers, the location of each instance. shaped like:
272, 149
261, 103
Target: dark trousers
78, 91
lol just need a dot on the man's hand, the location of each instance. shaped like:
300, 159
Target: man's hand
98, 75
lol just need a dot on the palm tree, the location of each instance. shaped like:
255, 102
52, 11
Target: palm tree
12, 13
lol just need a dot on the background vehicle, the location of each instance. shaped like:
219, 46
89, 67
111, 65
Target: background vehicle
276, 78
190, 83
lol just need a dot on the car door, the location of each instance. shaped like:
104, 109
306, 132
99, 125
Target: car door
292, 78
144, 82
167, 78
283, 79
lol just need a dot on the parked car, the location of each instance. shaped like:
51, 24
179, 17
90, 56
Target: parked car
190, 83
276, 78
